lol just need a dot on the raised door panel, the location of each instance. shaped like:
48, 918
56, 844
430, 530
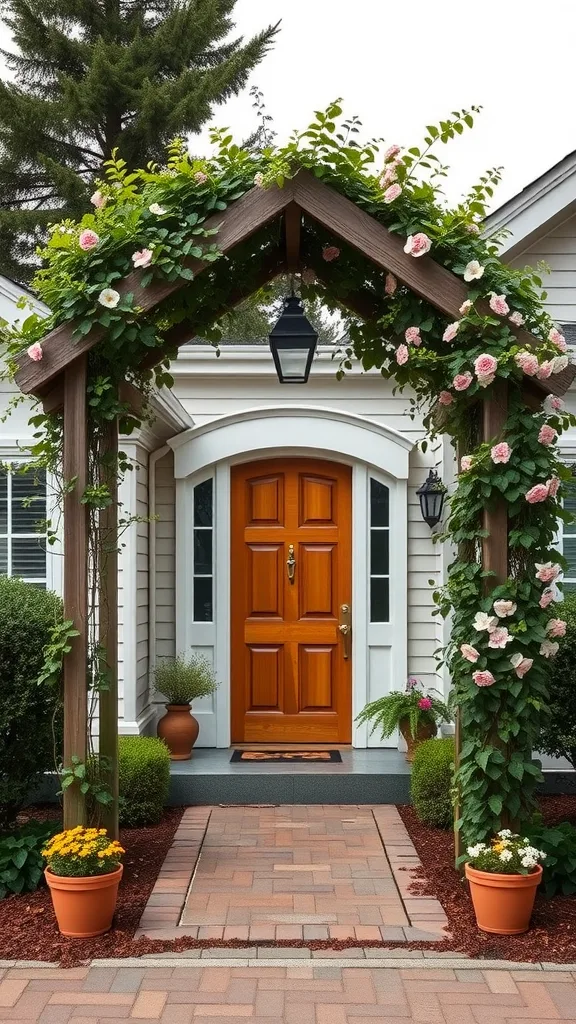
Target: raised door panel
264, 579
316, 676
317, 500
264, 673
265, 501
317, 597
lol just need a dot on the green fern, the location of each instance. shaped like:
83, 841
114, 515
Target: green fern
387, 712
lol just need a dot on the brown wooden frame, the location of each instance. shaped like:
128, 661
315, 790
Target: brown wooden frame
59, 379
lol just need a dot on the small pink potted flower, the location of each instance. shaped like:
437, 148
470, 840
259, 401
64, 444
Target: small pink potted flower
416, 714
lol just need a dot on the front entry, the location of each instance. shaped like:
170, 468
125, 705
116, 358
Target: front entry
291, 544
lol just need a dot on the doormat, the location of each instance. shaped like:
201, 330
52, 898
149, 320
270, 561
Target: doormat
309, 756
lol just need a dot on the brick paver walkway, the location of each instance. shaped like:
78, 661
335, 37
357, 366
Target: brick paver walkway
291, 872
304, 994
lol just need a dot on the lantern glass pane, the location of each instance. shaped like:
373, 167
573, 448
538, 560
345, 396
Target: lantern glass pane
293, 361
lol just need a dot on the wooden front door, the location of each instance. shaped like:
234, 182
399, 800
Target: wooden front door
291, 682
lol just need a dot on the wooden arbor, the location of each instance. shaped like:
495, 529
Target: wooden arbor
60, 380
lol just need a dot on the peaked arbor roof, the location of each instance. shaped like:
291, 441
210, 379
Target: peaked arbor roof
303, 194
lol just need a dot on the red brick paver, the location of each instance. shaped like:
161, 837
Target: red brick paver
304, 994
265, 874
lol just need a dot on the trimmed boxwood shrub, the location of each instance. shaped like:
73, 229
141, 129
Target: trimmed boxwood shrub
431, 784
143, 778
28, 615
558, 736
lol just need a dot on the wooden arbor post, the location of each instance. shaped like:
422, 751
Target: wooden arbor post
108, 625
75, 669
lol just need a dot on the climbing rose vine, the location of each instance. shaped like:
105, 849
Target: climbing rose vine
153, 222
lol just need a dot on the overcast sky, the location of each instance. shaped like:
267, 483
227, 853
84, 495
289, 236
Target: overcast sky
401, 65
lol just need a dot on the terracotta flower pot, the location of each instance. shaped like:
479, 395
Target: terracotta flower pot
84, 906
503, 903
425, 731
179, 730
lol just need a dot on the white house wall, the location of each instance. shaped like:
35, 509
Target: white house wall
558, 250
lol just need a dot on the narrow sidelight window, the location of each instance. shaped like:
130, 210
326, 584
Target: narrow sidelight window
379, 552
22, 514
203, 551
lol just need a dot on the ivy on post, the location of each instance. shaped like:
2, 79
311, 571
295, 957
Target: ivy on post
108, 630
75, 470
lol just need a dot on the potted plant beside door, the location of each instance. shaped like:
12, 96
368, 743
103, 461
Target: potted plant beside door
181, 681
503, 877
415, 712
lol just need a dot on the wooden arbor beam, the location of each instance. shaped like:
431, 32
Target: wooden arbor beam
108, 625
292, 233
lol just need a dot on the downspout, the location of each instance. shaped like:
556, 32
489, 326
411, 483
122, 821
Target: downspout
153, 458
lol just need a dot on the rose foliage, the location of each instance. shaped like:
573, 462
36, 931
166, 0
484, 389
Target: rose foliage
154, 220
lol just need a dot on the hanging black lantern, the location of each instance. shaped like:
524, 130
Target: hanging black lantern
293, 343
431, 497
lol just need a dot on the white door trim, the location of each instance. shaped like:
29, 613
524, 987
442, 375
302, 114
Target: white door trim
372, 451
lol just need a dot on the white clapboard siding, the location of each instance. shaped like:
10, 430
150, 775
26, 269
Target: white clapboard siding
165, 567
558, 250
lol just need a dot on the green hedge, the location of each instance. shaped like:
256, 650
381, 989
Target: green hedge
28, 615
144, 780
558, 736
431, 783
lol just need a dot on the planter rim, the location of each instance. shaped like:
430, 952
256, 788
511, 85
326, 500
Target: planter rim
497, 880
179, 707
83, 881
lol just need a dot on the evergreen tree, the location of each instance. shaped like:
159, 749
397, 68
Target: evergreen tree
92, 75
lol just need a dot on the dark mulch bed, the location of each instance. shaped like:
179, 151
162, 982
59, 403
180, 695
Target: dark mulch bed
28, 928
552, 936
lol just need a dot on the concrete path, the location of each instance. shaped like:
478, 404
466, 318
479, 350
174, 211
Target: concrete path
299, 872
292, 994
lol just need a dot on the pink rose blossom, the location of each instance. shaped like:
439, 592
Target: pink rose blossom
418, 244
521, 665
389, 175
35, 352
402, 355
88, 239
556, 337
412, 335
143, 258
465, 307
527, 362
485, 365
499, 637
536, 494
392, 193
553, 485
501, 452
469, 652
330, 253
466, 463
516, 318
259, 179
98, 200
504, 608
391, 152
499, 305
472, 229
547, 572
462, 381
425, 703
548, 649
308, 276
547, 435
201, 177
485, 381
556, 627
451, 331
552, 404
544, 370
546, 599
390, 284
483, 678
445, 398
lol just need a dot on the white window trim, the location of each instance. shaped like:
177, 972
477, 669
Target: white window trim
8, 464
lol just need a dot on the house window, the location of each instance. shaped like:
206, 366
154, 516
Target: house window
569, 539
379, 552
203, 551
22, 510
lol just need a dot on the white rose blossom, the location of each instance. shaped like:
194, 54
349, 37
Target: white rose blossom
157, 209
473, 271
109, 297
504, 608
484, 621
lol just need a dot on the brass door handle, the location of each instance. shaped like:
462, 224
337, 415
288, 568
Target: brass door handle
291, 563
345, 630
